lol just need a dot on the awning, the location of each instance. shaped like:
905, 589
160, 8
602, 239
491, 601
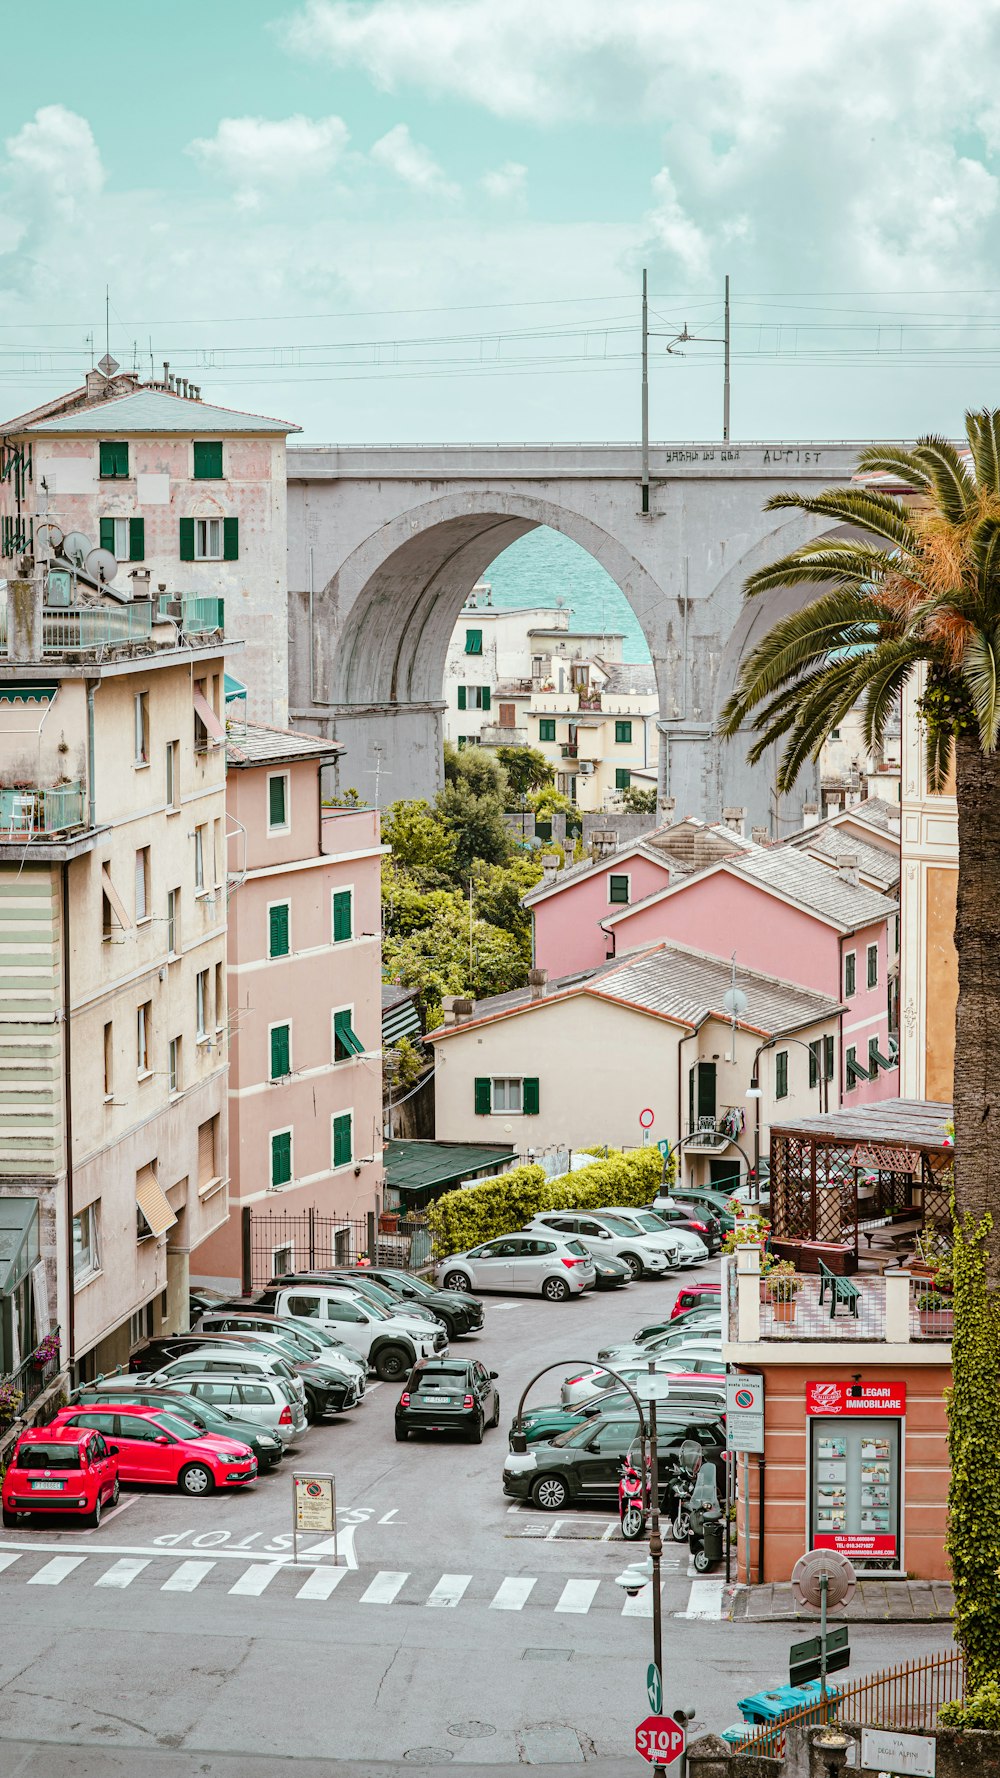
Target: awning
401, 1020
115, 900
344, 1030
208, 716
152, 1203
234, 688
413, 1166
23, 693
18, 1241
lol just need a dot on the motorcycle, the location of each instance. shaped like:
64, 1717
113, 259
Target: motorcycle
679, 1485
706, 1513
633, 1499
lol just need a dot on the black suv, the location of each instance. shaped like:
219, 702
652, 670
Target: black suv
460, 1312
448, 1395
689, 1216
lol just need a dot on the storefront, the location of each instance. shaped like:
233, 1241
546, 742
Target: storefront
856, 1435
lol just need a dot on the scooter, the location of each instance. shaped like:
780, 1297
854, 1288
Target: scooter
680, 1483
706, 1538
633, 1499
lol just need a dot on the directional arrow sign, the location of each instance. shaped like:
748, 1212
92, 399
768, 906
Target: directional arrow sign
654, 1687
660, 1740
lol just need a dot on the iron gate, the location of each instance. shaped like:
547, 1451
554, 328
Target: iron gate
279, 1241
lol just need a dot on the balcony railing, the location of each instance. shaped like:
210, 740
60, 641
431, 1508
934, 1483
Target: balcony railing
89, 627
18, 1389
28, 812
712, 1132
886, 1308
569, 750
196, 614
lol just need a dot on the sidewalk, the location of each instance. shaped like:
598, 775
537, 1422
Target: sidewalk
875, 1602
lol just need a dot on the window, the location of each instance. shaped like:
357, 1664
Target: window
623, 778
281, 1158
278, 927
277, 803
343, 915
142, 728
850, 1069
86, 1258
201, 1003
507, 715
828, 1058
781, 1074
142, 884
140, 1327
220, 996
850, 973
208, 460
873, 966
115, 917
114, 459
507, 1094
173, 775
547, 728
173, 921
473, 641
143, 1031
208, 1153
814, 1061
623, 732
346, 1042
208, 540
281, 1051
174, 1065
473, 697
835, 734
125, 539
343, 1139
618, 888
199, 857
217, 853
109, 1062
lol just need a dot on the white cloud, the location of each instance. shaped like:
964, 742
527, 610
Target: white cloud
54, 179
505, 183
263, 153
412, 163
684, 246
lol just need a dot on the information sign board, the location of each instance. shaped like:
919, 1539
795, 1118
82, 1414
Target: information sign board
745, 1412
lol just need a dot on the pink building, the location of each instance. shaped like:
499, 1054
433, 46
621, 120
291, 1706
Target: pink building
567, 911
305, 1009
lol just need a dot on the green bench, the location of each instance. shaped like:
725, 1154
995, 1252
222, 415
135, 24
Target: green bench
841, 1291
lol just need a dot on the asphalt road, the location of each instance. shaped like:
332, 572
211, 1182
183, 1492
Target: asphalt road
179, 1638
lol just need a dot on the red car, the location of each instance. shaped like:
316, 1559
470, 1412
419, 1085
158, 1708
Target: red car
691, 1296
155, 1445
60, 1469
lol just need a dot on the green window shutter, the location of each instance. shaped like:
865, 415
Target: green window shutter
114, 459
461, 697
618, 889
137, 540
108, 533
107, 462
485, 704
873, 1057
276, 802
280, 1051
814, 1064
346, 1042
547, 729
530, 1095
623, 778
873, 966
342, 915
343, 1140
187, 540
277, 933
781, 1075
230, 540
208, 460
483, 1097
828, 1058
706, 1089
850, 973
281, 1157
623, 731
473, 641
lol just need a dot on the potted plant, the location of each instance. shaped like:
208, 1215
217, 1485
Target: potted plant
781, 1286
46, 1351
937, 1316
751, 1230
10, 1401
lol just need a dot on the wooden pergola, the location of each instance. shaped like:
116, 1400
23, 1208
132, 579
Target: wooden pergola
839, 1177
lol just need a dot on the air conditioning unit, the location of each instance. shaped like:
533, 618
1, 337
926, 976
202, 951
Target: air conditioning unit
585, 767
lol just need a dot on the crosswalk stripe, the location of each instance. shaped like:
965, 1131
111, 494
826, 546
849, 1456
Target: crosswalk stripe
55, 1571
449, 1589
321, 1583
188, 1576
5, 1561
641, 1605
578, 1595
255, 1578
383, 1589
123, 1573
512, 1593
705, 1600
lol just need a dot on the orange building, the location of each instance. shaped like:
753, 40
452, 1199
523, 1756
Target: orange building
928, 962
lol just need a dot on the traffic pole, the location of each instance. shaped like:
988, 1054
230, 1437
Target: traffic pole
655, 1540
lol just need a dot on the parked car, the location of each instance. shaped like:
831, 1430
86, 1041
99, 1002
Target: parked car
548, 1421
675, 1215
701, 1198
610, 1274
554, 1268
691, 1296
391, 1343
326, 1388
208, 1416
270, 1403
234, 1359
681, 1356
154, 1445
60, 1469
695, 1324
691, 1248
581, 1467
460, 1314
608, 1237
320, 1337
332, 1384
680, 1373
448, 1395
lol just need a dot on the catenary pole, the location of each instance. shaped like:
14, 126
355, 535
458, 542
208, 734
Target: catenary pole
645, 392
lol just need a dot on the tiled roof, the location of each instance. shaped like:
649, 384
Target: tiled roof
788, 871
156, 411
417, 1166
258, 744
836, 842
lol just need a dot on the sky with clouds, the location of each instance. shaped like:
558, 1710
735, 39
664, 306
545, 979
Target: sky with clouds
427, 219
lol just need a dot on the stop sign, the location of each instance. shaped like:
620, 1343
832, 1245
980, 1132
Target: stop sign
660, 1740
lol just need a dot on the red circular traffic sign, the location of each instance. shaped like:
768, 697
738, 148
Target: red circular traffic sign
646, 1119
660, 1740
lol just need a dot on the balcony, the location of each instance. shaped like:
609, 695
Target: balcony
85, 629
32, 812
712, 1134
894, 1309
569, 750
589, 700
495, 735
513, 688
195, 614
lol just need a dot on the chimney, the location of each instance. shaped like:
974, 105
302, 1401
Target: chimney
665, 810
455, 1009
184, 386
166, 373
550, 866
96, 384
734, 819
847, 867
810, 815
537, 980
761, 836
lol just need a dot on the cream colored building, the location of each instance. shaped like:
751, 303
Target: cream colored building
928, 889
113, 1024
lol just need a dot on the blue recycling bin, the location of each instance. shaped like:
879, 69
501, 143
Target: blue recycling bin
771, 1706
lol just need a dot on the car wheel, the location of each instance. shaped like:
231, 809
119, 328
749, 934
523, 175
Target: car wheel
476, 1430
456, 1281
550, 1493
402, 1434
116, 1492
634, 1264
314, 1411
196, 1479
555, 1290
496, 1415
452, 1328
9, 1520
93, 1517
391, 1363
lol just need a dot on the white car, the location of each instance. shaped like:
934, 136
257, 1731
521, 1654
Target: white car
582, 1385
391, 1343
608, 1237
555, 1268
680, 1356
691, 1249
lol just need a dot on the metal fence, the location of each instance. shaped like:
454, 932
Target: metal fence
278, 1241
27, 811
18, 1389
905, 1697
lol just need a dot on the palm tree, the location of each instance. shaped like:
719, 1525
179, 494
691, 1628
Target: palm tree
917, 584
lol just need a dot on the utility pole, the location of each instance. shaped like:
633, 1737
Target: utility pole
645, 392
725, 382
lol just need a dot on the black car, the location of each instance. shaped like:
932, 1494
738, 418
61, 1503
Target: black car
267, 1449
610, 1274
460, 1312
693, 1218
448, 1395
582, 1466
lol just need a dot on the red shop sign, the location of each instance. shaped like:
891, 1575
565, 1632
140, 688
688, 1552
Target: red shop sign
855, 1398
856, 1544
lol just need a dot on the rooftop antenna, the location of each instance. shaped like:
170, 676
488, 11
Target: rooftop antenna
376, 772
88, 340
735, 1002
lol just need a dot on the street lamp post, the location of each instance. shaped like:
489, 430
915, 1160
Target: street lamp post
655, 1539
753, 1090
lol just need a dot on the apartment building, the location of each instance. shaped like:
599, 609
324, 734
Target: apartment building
113, 1145
304, 959
928, 960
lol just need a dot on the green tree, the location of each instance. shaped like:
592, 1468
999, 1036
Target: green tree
548, 802
478, 769
420, 842
435, 960
919, 590
476, 827
638, 801
526, 769
497, 892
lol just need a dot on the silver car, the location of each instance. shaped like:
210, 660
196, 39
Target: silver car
288, 1337
611, 1237
268, 1401
545, 1264
691, 1249
235, 1360
583, 1384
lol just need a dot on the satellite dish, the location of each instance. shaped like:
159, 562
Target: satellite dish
101, 565
76, 548
808, 1573
735, 1002
50, 536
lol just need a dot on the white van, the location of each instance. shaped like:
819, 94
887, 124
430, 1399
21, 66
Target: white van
391, 1343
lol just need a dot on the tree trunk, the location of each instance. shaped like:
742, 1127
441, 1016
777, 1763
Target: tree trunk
977, 1039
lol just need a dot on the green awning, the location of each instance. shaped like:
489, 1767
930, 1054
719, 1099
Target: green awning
234, 688
18, 1241
427, 1166
21, 692
402, 1020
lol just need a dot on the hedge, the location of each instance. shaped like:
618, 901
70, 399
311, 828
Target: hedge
461, 1219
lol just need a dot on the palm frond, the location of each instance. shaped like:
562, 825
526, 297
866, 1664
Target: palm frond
953, 486
894, 460
785, 711
866, 508
849, 563
983, 433
842, 619
895, 663
981, 672
984, 547
938, 745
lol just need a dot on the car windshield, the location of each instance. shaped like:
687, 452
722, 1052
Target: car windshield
448, 1380
176, 1427
618, 1225
48, 1457
647, 1220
